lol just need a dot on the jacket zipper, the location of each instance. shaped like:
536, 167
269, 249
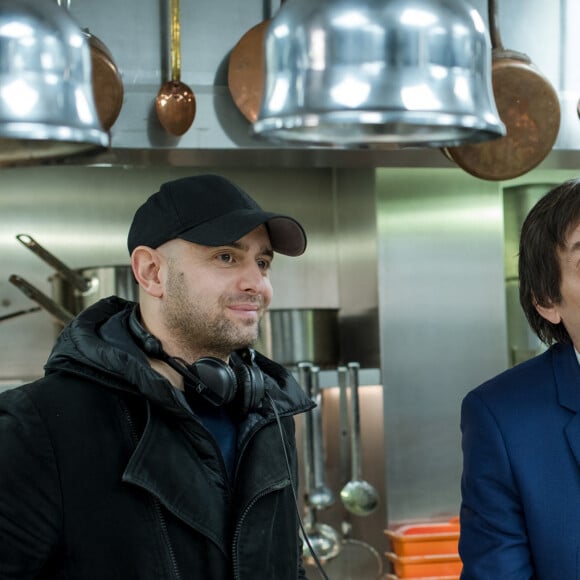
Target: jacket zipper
165, 533
155, 501
236, 537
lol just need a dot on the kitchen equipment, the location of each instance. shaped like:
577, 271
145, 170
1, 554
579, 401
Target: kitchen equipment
107, 84
108, 87
435, 566
357, 560
319, 538
358, 496
19, 313
61, 315
47, 107
175, 102
246, 69
529, 107
290, 336
357, 73
320, 496
75, 290
324, 540
425, 538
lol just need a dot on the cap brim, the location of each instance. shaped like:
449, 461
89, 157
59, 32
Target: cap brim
286, 234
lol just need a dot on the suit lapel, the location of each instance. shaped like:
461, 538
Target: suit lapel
567, 375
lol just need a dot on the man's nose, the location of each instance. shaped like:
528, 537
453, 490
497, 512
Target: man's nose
252, 278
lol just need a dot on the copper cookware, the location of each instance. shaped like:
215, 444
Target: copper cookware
529, 107
246, 70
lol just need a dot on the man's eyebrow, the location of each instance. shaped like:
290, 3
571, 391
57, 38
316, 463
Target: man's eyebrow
266, 250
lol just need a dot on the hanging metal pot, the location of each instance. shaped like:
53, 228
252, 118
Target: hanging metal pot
75, 290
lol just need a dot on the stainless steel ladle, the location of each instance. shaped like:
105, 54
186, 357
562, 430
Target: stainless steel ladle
324, 540
320, 496
358, 496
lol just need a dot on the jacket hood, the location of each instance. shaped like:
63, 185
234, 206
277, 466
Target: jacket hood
82, 349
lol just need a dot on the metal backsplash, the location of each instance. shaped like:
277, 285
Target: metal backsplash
442, 317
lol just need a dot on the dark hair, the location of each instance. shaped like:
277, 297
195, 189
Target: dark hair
543, 233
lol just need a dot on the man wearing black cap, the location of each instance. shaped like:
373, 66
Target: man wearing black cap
159, 445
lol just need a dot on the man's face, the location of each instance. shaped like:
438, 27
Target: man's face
567, 310
215, 296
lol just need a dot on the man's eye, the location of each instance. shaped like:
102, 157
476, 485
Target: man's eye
226, 258
264, 264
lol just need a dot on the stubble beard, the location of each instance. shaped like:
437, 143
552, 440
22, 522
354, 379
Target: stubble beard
195, 327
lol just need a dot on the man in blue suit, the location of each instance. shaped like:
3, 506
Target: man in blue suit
520, 511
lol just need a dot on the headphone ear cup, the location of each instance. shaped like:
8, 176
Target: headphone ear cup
214, 380
251, 390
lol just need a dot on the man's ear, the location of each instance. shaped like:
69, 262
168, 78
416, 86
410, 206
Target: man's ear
146, 265
550, 313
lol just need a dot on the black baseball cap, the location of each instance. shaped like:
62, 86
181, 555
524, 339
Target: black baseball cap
211, 211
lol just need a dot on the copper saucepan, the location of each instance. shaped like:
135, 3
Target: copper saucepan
529, 107
246, 69
108, 90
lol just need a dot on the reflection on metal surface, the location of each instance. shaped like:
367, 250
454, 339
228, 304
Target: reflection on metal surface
523, 343
47, 108
290, 336
442, 320
347, 73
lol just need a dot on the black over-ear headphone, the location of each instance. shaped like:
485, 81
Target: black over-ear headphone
210, 378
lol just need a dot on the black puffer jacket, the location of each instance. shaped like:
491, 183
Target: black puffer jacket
105, 474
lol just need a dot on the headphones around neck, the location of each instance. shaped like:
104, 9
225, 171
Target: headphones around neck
209, 378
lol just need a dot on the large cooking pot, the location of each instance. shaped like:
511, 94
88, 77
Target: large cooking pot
75, 290
291, 336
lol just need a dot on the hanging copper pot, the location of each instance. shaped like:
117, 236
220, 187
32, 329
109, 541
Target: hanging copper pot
529, 107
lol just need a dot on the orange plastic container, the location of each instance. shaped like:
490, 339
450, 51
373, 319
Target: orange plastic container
426, 566
425, 539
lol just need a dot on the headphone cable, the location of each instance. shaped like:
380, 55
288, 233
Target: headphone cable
304, 534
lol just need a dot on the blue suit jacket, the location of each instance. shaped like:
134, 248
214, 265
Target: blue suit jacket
520, 512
